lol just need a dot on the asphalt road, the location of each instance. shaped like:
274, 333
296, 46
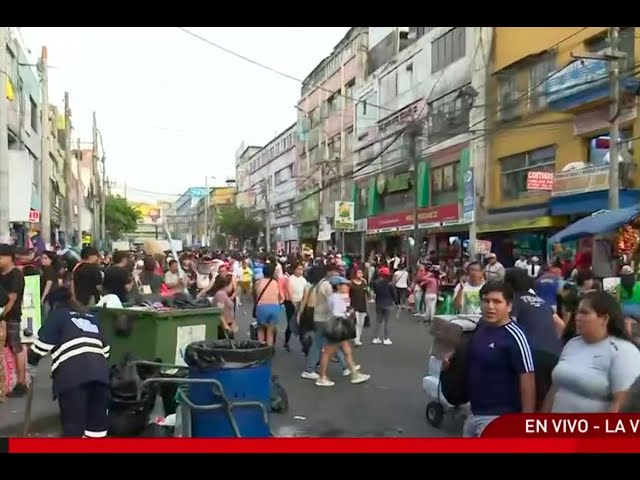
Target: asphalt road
391, 404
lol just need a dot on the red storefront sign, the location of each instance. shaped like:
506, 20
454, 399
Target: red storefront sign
540, 181
34, 216
394, 221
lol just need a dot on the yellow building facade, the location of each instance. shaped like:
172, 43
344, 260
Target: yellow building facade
548, 116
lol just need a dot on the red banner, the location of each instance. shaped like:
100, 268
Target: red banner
564, 425
327, 445
437, 214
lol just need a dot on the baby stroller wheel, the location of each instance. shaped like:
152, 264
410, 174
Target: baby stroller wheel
435, 414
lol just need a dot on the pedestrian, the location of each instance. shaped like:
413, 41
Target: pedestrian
295, 290
86, 280
79, 368
358, 293
12, 282
267, 304
386, 300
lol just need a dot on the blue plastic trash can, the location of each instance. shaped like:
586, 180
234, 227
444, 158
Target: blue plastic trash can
244, 374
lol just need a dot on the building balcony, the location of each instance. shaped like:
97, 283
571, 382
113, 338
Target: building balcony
590, 179
582, 85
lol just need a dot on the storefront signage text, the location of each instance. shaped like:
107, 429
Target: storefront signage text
404, 220
540, 181
578, 77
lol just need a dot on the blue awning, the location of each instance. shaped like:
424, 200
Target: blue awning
585, 203
597, 223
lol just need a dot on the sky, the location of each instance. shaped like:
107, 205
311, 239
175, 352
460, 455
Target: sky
173, 109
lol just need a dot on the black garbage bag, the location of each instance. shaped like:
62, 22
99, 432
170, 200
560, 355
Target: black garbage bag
127, 413
279, 397
340, 329
217, 353
184, 301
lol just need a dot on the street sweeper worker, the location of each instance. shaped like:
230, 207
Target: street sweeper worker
79, 367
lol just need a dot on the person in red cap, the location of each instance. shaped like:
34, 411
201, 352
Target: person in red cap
386, 301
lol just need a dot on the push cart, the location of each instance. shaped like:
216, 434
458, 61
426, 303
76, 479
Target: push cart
446, 330
187, 408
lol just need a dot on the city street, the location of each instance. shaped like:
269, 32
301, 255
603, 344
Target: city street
391, 404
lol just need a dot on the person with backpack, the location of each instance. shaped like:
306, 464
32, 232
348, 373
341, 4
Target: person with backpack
493, 369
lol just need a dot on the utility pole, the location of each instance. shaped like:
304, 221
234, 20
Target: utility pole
613, 57
94, 183
103, 198
267, 206
80, 192
5, 233
412, 134
45, 159
614, 135
68, 176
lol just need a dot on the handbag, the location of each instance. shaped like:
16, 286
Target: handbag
340, 329
255, 305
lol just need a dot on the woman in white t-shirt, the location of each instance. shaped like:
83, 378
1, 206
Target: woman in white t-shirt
296, 284
400, 280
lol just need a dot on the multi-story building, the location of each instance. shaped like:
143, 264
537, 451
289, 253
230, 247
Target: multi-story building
423, 75
325, 133
272, 185
219, 198
58, 190
548, 142
183, 224
24, 141
244, 154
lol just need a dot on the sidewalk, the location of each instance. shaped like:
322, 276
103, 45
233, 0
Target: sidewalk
44, 411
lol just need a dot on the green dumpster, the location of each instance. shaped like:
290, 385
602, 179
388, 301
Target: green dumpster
151, 335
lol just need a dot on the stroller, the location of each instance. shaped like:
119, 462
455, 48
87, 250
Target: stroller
447, 331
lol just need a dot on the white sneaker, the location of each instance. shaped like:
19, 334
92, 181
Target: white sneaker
387, 341
359, 378
324, 382
310, 375
357, 343
346, 372
376, 341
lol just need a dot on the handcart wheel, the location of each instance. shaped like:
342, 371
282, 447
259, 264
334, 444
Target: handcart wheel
435, 414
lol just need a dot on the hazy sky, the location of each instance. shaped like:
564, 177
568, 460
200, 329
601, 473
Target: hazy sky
173, 109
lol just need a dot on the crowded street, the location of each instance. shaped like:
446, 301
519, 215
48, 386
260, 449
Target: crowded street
392, 404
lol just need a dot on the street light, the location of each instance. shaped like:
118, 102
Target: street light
206, 210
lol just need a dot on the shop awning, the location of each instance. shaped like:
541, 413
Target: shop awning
600, 222
519, 220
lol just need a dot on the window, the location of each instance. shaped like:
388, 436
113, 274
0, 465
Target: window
405, 77
448, 48
389, 86
538, 74
449, 114
515, 169
333, 104
421, 31
445, 178
334, 147
314, 117
600, 43
509, 96
34, 114
349, 91
599, 147
284, 175
285, 208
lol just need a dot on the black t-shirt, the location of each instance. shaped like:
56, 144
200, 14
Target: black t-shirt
13, 282
86, 279
115, 280
49, 274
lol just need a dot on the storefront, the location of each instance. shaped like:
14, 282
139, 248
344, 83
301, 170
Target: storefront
520, 232
387, 231
307, 215
355, 240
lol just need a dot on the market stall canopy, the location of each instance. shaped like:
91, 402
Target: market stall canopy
597, 223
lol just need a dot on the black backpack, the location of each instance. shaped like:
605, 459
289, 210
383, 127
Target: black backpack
453, 380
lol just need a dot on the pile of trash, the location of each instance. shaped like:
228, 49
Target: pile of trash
129, 415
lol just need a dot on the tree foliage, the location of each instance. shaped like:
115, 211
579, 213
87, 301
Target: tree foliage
120, 217
237, 222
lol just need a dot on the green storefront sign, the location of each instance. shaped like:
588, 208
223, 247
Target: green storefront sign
308, 210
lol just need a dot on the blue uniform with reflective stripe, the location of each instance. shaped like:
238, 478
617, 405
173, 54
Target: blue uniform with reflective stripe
78, 350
